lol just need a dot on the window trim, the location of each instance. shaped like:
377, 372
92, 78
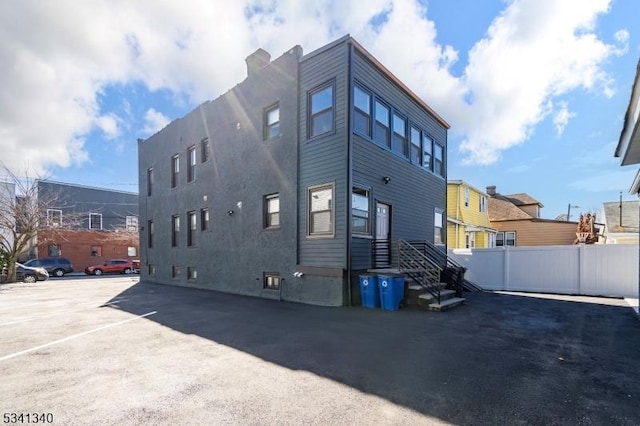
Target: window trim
91, 221
192, 227
356, 110
310, 115
192, 273
175, 272
204, 150
442, 228
269, 126
175, 170
150, 233
405, 139
175, 230
466, 196
50, 222
267, 214
367, 231
387, 142
131, 222
205, 219
192, 160
483, 204
419, 158
149, 181
332, 232
272, 275
443, 168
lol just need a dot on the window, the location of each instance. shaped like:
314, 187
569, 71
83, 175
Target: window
362, 111
320, 204
175, 169
382, 132
131, 251
399, 142
150, 233
470, 239
149, 181
175, 271
492, 240
191, 171
204, 219
191, 234
506, 239
204, 150
483, 204
192, 273
95, 221
54, 250
272, 211
152, 269
360, 211
131, 223
54, 218
96, 251
427, 149
321, 111
272, 122
175, 231
271, 281
466, 196
415, 154
438, 236
438, 166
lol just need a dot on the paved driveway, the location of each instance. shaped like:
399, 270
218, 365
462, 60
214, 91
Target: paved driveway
114, 351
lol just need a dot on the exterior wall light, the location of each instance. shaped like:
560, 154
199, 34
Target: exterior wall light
386, 179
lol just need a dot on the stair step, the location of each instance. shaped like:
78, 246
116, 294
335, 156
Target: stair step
447, 304
427, 298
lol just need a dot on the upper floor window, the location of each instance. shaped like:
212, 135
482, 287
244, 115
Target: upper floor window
320, 111
95, 221
483, 204
175, 230
506, 239
204, 150
427, 150
191, 171
416, 150
438, 164
131, 223
150, 233
175, 170
272, 122
204, 219
54, 217
360, 211
191, 234
320, 202
466, 196
149, 181
272, 211
399, 142
362, 111
382, 129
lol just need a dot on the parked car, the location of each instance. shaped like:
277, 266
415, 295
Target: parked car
113, 266
56, 266
30, 274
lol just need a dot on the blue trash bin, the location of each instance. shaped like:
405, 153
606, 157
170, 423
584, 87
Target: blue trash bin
389, 292
369, 291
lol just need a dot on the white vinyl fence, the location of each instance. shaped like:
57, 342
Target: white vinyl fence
594, 270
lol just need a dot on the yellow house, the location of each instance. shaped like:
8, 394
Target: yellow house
468, 223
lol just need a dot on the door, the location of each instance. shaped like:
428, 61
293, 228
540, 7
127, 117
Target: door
382, 248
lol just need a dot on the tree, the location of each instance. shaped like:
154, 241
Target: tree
23, 213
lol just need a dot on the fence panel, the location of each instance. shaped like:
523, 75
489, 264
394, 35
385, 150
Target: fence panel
610, 270
485, 267
543, 269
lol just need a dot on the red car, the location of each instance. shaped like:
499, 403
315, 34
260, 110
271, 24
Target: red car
113, 266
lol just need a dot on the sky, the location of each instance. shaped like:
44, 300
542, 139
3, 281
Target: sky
535, 91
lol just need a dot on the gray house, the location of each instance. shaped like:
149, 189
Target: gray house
294, 182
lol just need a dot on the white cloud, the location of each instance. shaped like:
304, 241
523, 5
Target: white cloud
533, 52
562, 117
154, 121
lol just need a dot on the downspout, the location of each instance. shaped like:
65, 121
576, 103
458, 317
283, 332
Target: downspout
349, 170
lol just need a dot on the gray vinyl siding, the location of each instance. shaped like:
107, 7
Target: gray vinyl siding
324, 159
412, 192
242, 168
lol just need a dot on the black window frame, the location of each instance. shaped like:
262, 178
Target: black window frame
415, 150
310, 213
381, 136
357, 214
396, 136
192, 273
360, 113
192, 227
204, 219
271, 280
271, 130
175, 230
192, 160
204, 150
150, 233
269, 216
149, 181
175, 170
427, 151
312, 116
441, 238
439, 165
92, 220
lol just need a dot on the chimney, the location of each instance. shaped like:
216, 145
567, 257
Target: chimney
257, 60
491, 190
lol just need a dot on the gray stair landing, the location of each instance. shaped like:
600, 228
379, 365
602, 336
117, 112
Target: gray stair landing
446, 304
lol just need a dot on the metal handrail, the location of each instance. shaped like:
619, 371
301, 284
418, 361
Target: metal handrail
419, 267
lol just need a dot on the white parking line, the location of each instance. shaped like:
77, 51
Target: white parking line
74, 336
25, 319
16, 307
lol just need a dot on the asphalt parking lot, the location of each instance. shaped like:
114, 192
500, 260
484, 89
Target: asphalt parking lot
112, 351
